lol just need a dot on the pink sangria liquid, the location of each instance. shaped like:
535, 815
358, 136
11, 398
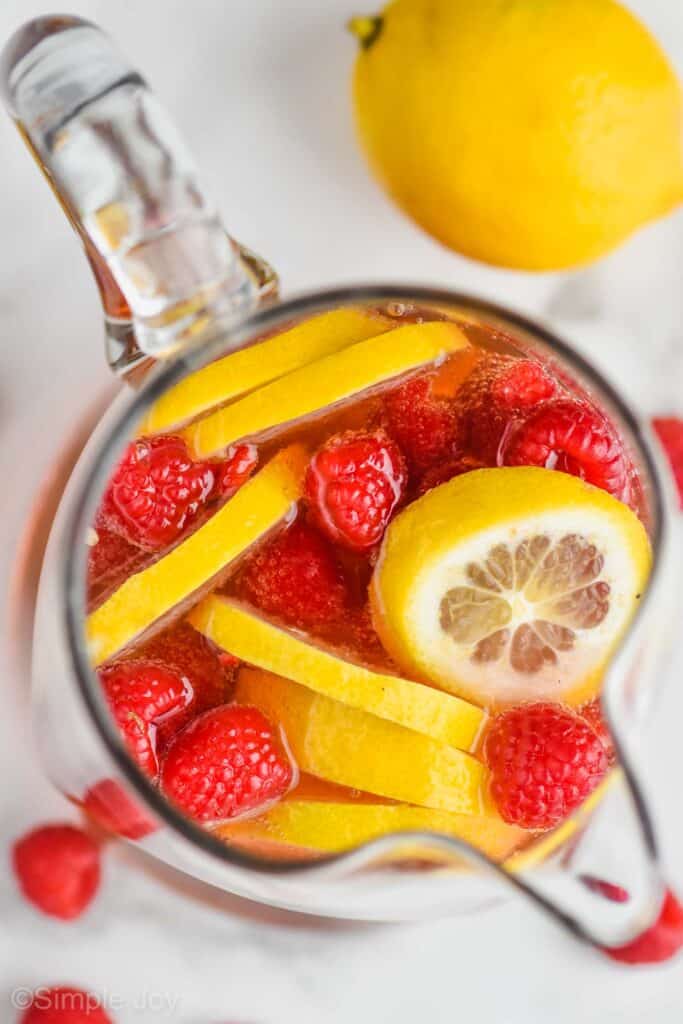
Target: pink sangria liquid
365, 577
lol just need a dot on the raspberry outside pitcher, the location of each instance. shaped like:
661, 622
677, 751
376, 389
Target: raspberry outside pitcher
179, 294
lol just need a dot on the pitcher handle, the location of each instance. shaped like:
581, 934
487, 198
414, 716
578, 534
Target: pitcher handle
164, 264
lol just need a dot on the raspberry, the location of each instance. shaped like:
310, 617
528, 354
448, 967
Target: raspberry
572, 437
58, 869
365, 642
522, 386
240, 462
157, 491
64, 1005
670, 431
499, 390
422, 423
615, 893
228, 761
354, 483
140, 694
296, 577
185, 651
110, 561
659, 942
592, 713
544, 762
446, 471
108, 804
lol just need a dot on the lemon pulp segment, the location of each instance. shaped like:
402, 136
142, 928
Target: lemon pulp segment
251, 367
330, 827
422, 708
355, 749
323, 383
145, 597
510, 584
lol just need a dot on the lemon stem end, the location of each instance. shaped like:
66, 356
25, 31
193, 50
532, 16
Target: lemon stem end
365, 29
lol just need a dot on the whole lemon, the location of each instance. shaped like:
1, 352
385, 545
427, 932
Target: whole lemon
534, 134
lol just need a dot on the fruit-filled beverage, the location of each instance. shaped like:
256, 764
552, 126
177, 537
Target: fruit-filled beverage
363, 577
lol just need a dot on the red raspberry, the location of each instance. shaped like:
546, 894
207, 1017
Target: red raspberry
108, 804
499, 390
447, 470
422, 423
64, 1005
296, 577
670, 431
364, 641
157, 491
354, 483
615, 893
110, 561
140, 694
544, 762
592, 713
58, 869
240, 462
522, 386
186, 652
228, 761
572, 437
659, 942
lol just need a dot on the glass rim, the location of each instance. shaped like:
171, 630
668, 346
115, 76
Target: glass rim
199, 353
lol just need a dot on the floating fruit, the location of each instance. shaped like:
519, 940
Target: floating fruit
330, 827
257, 642
323, 383
344, 745
544, 761
147, 596
525, 134
354, 483
226, 763
296, 578
157, 491
251, 367
510, 584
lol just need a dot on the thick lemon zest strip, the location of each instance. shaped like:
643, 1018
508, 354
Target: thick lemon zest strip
355, 749
145, 597
331, 827
422, 708
250, 368
323, 383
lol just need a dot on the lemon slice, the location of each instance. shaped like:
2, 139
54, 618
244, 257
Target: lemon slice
331, 827
251, 367
510, 584
423, 708
352, 748
147, 596
324, 383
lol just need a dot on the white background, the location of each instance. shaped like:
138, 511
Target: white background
260, 89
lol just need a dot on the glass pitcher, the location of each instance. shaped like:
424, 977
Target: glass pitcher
178, 294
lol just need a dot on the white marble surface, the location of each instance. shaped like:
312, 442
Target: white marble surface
261, 90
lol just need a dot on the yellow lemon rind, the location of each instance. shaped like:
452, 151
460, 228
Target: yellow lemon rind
253, 640
341, 744
324, 383
263, 502
250, 368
